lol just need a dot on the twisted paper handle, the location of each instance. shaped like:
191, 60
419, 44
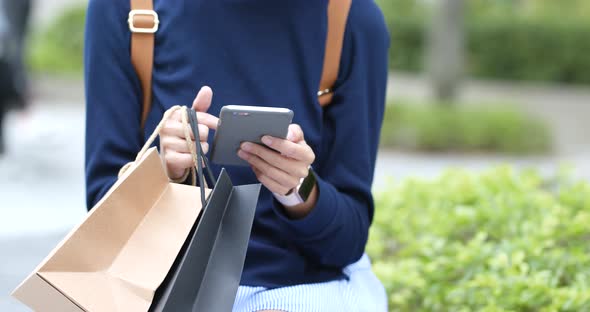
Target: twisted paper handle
156, 133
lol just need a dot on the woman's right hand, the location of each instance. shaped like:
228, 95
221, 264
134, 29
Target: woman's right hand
173, 148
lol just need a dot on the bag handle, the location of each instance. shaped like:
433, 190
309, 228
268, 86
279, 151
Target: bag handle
196, 152
200, 156
143, 23
194, 123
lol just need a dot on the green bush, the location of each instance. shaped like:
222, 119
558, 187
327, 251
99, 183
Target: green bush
405, 20
59, 47
495, 241
407, 43
436, 127
538, 9
504, 41
530, 50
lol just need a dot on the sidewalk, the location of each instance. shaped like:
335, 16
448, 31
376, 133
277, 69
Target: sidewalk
20, 256
400, 165
42, 188
46, 11
43, 169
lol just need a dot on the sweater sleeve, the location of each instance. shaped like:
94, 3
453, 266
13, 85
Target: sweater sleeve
335, 232
113, 97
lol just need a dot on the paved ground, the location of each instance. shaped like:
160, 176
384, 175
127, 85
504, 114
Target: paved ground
45, 11
42, 190
565, 108
43, 170
19, 256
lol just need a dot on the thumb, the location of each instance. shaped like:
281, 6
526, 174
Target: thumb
202, 101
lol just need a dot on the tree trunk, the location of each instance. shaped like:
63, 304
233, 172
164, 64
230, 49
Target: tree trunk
446, 49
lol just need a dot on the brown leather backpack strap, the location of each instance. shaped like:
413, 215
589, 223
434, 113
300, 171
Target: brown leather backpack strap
337, 16
143, 24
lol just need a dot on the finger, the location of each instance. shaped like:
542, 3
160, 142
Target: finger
287, 148
289, 165
203, 133
205, 147
208, 120
202, 118
174, 144
175, 128
176, 116
295, 133
270, 184
203, 99
281, 177
178, 161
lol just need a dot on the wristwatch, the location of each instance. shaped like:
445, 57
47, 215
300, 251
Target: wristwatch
299, 194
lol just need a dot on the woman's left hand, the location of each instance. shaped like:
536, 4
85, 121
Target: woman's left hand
282, 163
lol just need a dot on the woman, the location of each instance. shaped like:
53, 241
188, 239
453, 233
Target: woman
307, 256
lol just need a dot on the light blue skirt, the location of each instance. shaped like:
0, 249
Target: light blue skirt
361, 292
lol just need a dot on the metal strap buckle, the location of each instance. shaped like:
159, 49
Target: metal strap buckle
142, 30
324, 92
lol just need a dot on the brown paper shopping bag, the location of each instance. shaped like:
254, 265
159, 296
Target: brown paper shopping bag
120, 254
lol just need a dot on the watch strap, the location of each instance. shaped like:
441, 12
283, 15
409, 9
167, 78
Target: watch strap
295, 197
292, 199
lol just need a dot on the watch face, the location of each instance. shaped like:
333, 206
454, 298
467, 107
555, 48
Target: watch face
307, 185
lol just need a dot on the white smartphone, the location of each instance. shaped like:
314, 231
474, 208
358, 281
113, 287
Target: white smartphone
239, 124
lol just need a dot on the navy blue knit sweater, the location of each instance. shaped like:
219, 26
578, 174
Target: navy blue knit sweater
252, 52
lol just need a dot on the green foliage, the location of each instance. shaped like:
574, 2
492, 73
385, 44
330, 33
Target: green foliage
529, 9
435, 127
407, 43
410, 36
495, 241
530, 50
526, 40
541, 40
59, 47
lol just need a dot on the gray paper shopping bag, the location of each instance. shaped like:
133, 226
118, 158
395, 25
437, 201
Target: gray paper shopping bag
208, 269
206, 275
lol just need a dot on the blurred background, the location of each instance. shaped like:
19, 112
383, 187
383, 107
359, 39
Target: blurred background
483, 199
